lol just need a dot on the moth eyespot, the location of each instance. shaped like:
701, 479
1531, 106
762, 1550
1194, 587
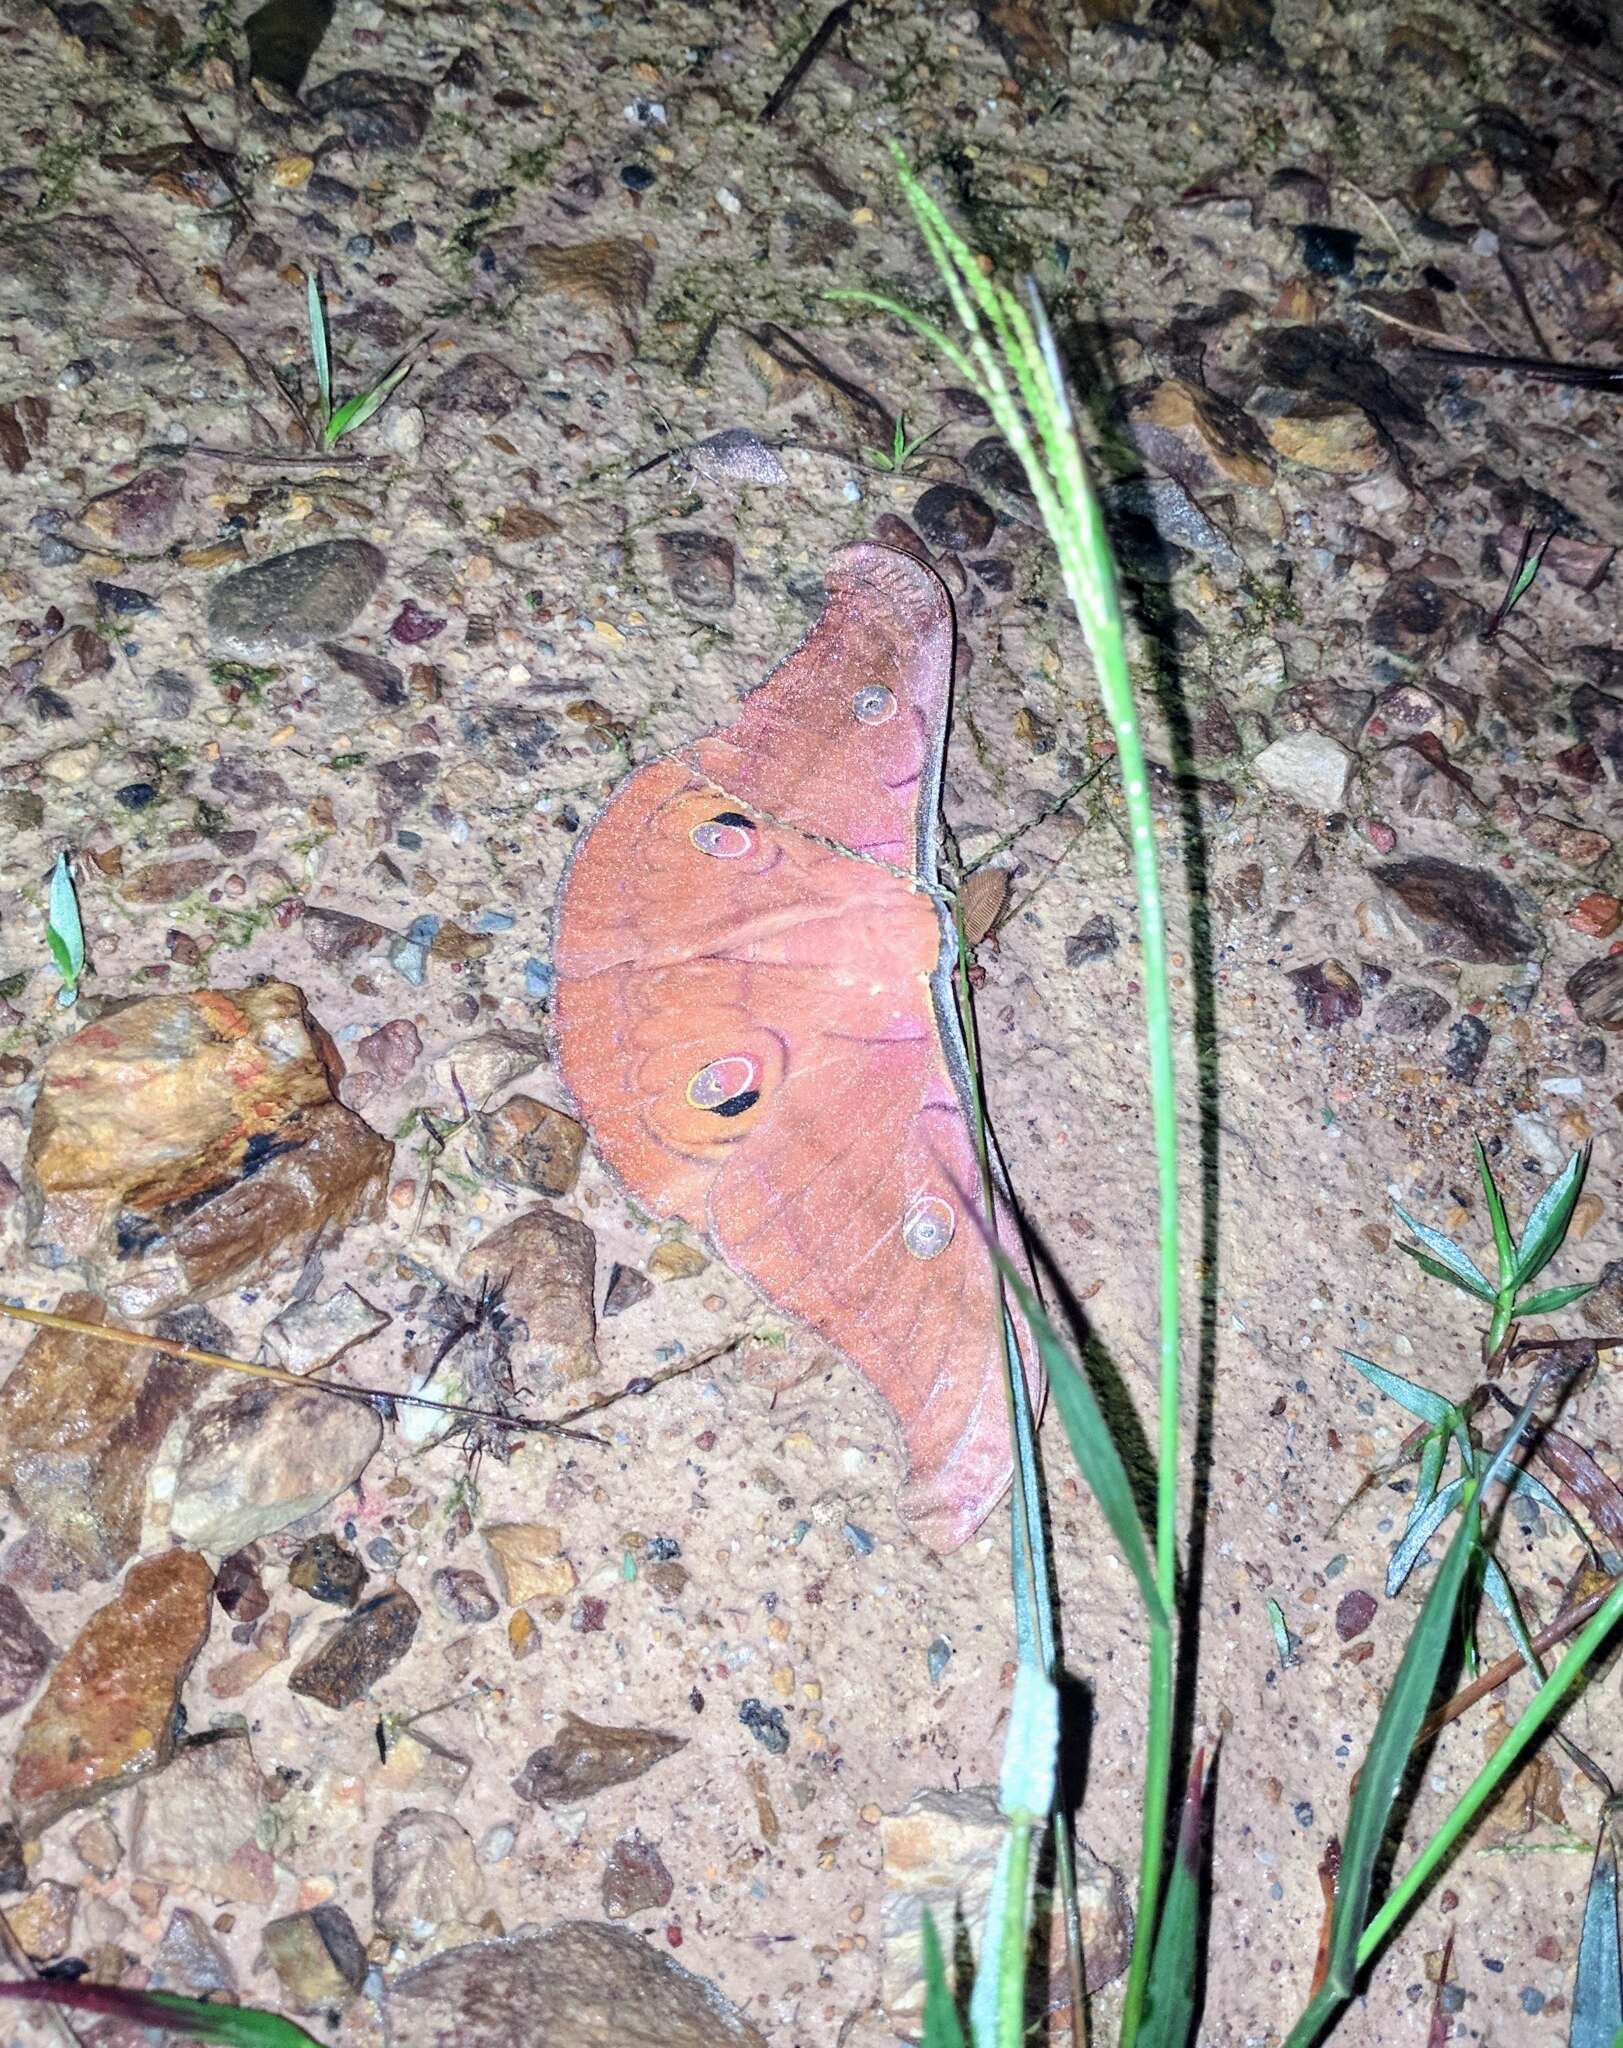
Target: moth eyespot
726, 1087
928, 1226
729, 835
874, 704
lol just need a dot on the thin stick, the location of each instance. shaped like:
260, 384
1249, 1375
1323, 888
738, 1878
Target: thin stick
1507, 1667
836, 18
217, 1361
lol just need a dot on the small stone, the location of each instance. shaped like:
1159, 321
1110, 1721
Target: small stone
294, 600
1595, 992
13, 1863
328, 1570
1590, 1058
107, 1715
580, 1984
1463, 913
412, 626
1412, 616
940, 1853
383, 681
954, 520
1410, 1012
635, 1879
626, 1288
529, 1561
1539, 1142
735, 455
1354, 1613
545, 1264
767, 1725
699, 569
1467, 1049
81, 1423
334, 936
182, 1144
140, 516
1328, 993
585, 1757
169, 881
674, 1260
463, 1596
98, 1848
235, 1675
190, 1961
356, 1652
196, 1823
384, 1060
238, 1587
318, 1957
1309, 767
610, 277
375, 109
528, 1145
25, 1651
1197, 438
1097, 940
480, 1067
481, 384
42, 1920
426, 1880
266, 1456
1341, 440
1597, 916
313, 1333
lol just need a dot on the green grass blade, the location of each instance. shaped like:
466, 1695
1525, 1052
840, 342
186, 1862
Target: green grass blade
1552, 1298
1552, 1213
1422, 1526
1389, 1752
1438, 1271
318, 345
1447, 1253
232, 2026
1408, 1394
942, 2027
1503, 1243
1092, 1445
1597, 1993
1432, 1454
355, 412
1169, 1997
63, 930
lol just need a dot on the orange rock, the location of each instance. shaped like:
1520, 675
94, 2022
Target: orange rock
1597, 916
107, 1715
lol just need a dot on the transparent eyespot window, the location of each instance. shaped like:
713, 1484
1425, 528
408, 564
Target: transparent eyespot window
727, 1086
727, 836
928, 1227
874, 704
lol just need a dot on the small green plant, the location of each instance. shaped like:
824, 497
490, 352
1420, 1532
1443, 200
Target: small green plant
232, 2026
1528, 564
356, 411
902, 450
64, 933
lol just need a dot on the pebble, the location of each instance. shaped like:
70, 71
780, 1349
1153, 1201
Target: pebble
735, 455
425, 1878
1329, 995
1467, 1049
356, 1652
294, 600
463, 1596
1355, 1611
529, 1561
264, 1457
1410, 1012
700, 570
107, 1715
529, 1146
626, 1288
481, 384
328, 1570
575, 1985
954, 520
318, 1957
635, 1879
546, 1263
767, 1725
1595, 991
585, 1757
312, 1333
1309, 767
1464, 913
26, 1651
190, 1961
1097, 940
375, 109
197, 1823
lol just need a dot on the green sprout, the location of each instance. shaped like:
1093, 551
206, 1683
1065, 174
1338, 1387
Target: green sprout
64, 933
356, 411
902, 450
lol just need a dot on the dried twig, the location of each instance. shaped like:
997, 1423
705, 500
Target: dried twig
836, 18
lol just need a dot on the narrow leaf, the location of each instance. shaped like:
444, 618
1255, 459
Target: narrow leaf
233, 2026
63, 920
1503, 1243
1169, 2004
1447, 1252
60, 953
1391, 1744
942, 2028
1418, 1400
1282, 1635
1092, 1445
1597, 1994
318, 344
1552, 1213
1432, 1455
357, 411
1422, 1526
1552, 1298
1438, 1271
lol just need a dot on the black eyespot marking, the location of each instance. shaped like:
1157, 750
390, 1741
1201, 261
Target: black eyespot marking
729, 835
735, 1105
733, 818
